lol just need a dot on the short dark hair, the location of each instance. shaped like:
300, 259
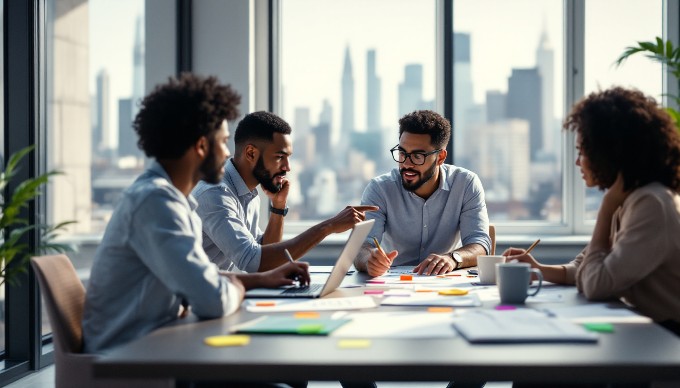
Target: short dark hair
427, 122
622, 130
260, 125
176, 114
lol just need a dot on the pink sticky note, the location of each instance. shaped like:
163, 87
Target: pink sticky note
505, 307
373, 292
375, 281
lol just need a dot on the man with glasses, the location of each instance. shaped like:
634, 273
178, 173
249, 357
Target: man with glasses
431, 215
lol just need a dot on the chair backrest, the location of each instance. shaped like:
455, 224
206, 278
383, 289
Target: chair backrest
64, 297
492, 235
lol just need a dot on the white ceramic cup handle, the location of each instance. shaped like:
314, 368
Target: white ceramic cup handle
540, 280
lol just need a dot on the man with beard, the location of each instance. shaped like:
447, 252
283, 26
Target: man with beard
150, 263
231, 210
427, 209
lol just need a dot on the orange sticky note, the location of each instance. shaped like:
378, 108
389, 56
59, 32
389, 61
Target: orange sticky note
424, 290
406, 277
306, 314
265, 304
439, 309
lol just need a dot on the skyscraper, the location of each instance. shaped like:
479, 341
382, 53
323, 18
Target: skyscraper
102, 135
138, 67
545, 64
347, 118
462, 92
127, 139
524, 102
411, 89
373, 96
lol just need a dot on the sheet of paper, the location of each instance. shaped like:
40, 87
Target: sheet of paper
598, 312
432, 299
398, 324
323, 304
519, 325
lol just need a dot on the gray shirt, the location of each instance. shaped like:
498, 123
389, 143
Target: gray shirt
453, 216
150, 258
230, 213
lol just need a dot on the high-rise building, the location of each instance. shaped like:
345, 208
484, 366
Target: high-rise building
463, 98
302, 138
373, 95
103, 133
496, 106
411, 89
138, 67
127, 138
524, 102
545, 64
347, 113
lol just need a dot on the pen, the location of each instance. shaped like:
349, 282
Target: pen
532, 246
290, 258
377, 245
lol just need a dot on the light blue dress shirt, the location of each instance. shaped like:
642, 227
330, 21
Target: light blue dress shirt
151, 258
230, 213
453, 216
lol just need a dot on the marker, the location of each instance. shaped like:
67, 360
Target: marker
290, 258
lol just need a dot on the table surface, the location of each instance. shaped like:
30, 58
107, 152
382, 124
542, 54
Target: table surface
635, 352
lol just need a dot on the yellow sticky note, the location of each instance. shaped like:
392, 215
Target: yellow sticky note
227, 340
354, 343
453, 291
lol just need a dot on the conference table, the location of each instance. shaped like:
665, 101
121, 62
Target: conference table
633, 352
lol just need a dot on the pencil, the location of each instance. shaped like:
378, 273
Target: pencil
532, 246
288, 256
377, 245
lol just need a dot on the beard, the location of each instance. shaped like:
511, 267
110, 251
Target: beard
211, 169
264, 178
424, 177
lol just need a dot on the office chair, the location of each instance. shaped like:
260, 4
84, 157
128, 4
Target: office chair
64, 297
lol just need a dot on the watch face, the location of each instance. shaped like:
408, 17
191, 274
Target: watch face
457, 257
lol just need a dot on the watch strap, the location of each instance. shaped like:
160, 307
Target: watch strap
281, 212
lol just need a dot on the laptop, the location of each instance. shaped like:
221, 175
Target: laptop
317, 290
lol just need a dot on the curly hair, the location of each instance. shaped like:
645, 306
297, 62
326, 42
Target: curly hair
260, 125
622, 130
175, 115
427, 122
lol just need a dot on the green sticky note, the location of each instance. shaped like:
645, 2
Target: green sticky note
310, 329
599, 327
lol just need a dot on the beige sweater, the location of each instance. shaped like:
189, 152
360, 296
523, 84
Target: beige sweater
643, 266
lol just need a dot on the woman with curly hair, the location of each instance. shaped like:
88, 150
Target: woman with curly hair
628, 146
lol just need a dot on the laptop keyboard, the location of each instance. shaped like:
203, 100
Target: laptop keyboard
310, 289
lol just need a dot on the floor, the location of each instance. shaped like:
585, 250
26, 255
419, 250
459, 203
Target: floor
45, 379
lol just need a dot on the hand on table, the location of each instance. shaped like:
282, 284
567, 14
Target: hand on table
435, 264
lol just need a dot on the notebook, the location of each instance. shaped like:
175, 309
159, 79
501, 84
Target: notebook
317, 290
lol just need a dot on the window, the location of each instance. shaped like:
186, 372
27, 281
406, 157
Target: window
609, 29
508, 98
95, 74
344, 89
2, 164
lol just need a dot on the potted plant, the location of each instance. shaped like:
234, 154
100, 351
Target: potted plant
663, 52
13, 249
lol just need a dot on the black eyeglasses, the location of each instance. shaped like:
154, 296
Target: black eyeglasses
417, 158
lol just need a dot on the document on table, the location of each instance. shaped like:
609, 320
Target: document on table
433, 299
598, 312
518, 326
397, 324
323, 304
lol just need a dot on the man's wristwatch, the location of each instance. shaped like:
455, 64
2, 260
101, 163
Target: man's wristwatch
457, 258
281, 212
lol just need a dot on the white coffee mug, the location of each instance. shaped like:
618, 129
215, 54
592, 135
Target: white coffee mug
513, 281
486, 267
